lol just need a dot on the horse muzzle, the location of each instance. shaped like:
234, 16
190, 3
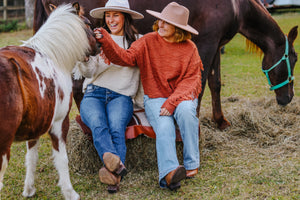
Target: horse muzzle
284, 100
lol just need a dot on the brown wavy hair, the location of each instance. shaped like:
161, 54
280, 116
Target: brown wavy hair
180, 34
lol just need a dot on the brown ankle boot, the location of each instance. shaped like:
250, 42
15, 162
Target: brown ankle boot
122, 171
111, 161
174, 177
191, 173
108, 178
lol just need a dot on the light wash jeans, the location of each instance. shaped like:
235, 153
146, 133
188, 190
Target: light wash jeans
164, 128
107, 114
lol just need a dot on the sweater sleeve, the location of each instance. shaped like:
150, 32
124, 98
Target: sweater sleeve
95, 65
115, 53
188, 87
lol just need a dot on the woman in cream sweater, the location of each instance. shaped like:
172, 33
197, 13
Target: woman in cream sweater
107, 105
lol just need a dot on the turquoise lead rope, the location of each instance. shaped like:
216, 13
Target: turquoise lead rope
285, 57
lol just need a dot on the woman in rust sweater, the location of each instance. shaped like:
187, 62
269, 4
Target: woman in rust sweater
170, 68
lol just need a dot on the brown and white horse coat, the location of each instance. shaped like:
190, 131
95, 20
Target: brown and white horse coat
36, 88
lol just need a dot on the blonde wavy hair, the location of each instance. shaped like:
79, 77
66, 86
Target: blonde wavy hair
180, 34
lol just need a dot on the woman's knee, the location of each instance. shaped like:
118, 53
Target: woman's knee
164, 129
186, 109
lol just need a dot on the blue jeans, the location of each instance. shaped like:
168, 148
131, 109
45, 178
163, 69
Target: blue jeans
164, 128
107, 114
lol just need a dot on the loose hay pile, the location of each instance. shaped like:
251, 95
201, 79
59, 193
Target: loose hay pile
262, 122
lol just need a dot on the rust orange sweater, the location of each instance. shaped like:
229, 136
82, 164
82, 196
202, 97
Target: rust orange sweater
168, 70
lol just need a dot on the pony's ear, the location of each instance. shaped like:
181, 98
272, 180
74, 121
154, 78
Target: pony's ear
52, 7
77, 7
293, 34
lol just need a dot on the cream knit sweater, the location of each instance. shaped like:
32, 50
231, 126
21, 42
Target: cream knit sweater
123, 80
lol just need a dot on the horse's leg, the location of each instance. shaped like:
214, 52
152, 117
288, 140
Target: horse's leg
6, 142
58, 135
31, 159
4, 158
77, 91
214, 83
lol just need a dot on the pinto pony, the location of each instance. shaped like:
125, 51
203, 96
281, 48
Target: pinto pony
217, 22
36, 92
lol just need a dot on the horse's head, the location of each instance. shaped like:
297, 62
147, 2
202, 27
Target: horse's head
65, 37
90, 33
280, 74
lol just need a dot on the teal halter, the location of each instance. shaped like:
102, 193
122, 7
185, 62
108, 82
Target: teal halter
286, 58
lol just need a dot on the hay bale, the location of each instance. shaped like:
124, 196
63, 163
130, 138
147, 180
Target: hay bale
141, 152
260, 122
83, 157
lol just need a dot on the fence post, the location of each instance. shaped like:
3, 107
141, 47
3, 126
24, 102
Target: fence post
5, 10
29, 12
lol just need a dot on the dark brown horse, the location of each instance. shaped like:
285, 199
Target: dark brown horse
36, 92
217, 22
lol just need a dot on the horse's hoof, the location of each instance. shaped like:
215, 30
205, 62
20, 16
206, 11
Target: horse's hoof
75, 196
224, 124
29, 192
72, 196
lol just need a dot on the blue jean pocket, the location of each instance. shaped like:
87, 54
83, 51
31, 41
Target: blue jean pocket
90, 88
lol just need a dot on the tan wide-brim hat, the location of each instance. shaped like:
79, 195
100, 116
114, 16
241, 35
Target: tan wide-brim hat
176, 15
115, 5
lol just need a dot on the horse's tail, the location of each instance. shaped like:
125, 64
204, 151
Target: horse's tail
19, 78
40, 15
253, 48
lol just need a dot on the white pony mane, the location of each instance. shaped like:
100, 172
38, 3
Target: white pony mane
62, 38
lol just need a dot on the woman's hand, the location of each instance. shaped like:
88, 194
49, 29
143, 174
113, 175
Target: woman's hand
98, 34
164, 112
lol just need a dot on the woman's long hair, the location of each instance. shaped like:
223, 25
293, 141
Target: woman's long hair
130, 32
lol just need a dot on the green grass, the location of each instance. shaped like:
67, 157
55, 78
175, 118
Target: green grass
244, 171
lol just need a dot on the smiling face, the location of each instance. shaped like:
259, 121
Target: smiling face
166, 31
115, 22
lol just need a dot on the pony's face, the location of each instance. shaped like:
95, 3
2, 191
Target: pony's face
91, 37
50, 7
89, 32
285, 94
280, 74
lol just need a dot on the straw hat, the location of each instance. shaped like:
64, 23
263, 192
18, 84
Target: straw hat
115, 5
176, 15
